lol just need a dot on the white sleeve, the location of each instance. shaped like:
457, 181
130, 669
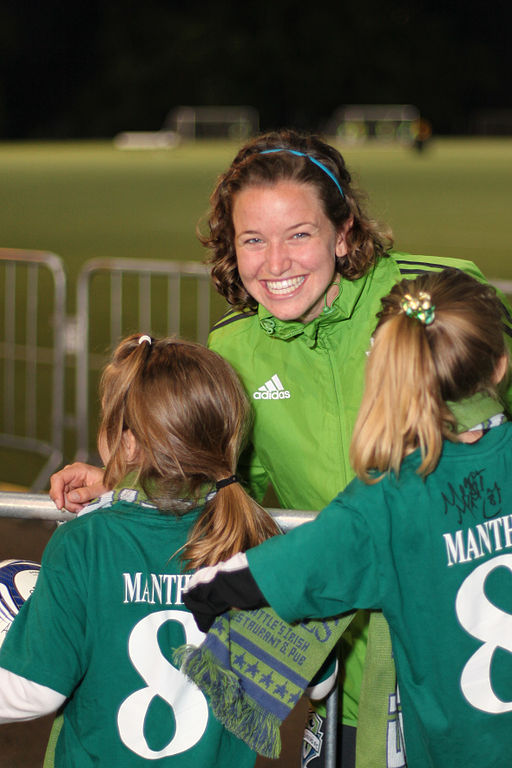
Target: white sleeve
22, 699
322, 689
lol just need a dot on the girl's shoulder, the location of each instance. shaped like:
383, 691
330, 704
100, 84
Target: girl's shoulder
360, 495
117, 526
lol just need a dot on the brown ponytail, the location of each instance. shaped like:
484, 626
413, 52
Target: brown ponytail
232, 522
118, 378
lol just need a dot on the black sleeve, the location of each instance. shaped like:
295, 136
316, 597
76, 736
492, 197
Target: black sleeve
214, 590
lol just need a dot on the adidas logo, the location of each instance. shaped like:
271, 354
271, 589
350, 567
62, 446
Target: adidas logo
272, 390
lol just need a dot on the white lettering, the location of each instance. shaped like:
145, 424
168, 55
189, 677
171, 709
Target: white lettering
507, 528
472, 552
474, 543
156, 588
169, 579
496, 525
284, 395
484, 538
181, 583
145, 595
162, 680
161, 588
455, 549
131, 590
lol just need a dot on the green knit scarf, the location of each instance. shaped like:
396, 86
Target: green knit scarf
254, 667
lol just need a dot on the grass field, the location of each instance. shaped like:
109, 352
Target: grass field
89, 200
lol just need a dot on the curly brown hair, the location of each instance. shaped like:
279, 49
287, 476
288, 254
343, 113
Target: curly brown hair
366, 241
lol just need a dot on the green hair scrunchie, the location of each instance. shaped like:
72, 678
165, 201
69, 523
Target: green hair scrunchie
420, 308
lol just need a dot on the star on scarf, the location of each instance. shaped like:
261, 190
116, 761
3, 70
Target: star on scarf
281, 690
252, 670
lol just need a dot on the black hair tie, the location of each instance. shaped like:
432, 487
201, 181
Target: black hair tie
226, 481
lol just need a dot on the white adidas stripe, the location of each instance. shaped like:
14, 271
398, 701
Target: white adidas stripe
272, 385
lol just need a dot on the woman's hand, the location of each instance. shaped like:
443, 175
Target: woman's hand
76, 485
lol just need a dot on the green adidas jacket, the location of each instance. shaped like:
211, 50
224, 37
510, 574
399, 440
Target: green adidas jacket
305, 383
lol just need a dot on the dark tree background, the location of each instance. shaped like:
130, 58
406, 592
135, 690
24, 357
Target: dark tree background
90, 68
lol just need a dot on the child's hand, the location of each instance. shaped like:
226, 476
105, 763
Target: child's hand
76, 485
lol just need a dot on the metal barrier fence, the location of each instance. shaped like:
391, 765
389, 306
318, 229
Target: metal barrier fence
33, 286
123, 310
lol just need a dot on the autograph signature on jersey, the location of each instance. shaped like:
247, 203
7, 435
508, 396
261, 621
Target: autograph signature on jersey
473, 497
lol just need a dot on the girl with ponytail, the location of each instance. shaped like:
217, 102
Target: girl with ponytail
439, 350
176, 414
98, 633
423, 533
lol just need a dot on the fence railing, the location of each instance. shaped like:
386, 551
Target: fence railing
39, 506
33, 289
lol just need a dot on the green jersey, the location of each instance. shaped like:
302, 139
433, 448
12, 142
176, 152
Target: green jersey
435, 556
101, 628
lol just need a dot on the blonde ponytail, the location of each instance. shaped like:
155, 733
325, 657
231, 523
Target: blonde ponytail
420, 360
402, 408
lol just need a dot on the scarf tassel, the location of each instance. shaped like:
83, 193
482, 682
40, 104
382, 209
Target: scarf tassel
230, 703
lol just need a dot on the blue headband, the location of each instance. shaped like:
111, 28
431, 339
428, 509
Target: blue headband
309, 157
